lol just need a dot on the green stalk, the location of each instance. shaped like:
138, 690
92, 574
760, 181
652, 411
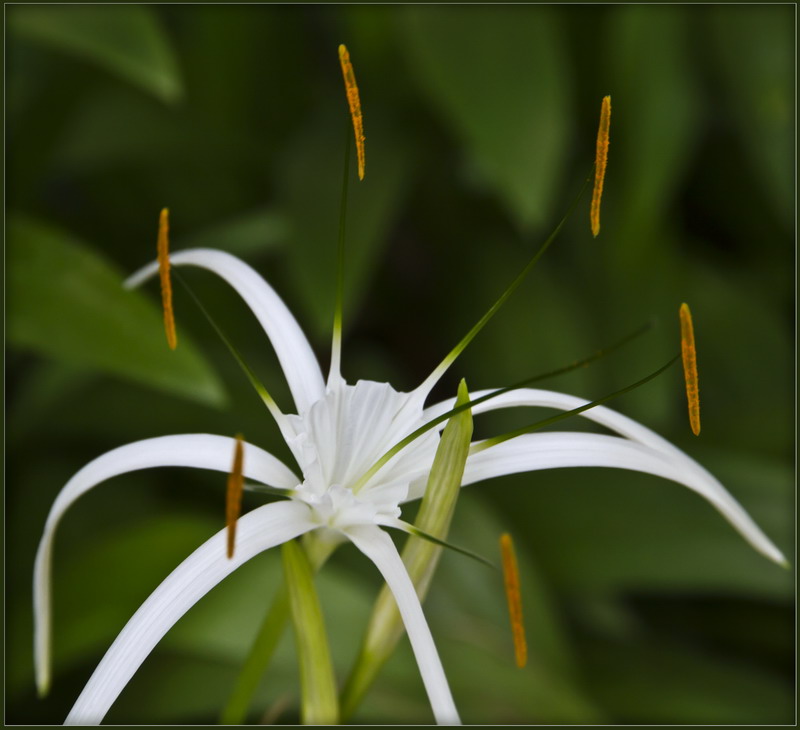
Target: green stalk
420, 556
260, 655
319, 703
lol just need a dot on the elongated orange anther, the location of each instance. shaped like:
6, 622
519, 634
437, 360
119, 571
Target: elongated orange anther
166, 283
233, 496
355, 106
690, 368
511, 578
600, 163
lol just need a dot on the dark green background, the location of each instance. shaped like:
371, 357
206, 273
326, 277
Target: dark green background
642, 604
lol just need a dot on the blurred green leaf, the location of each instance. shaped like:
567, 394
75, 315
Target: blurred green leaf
654, 124
97, 590
461, 583
601, 530
744, 360
126, 40
647, 682
68, 303
249, 234
755, 52
311, 169
500, 79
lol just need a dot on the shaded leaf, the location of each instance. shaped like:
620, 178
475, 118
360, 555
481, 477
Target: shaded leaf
654, 123
760, 90
248, 234
657, 683
126, 40
605, 530
68, 303
312, 171
498, 77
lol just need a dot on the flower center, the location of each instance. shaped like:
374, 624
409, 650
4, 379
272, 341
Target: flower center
342, 435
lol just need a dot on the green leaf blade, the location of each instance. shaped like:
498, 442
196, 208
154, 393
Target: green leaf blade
499, 79
125, 40
67, 303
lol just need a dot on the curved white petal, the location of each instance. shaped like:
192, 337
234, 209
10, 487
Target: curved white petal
203, 451
297, 359
379, 548
555, 450
259, 530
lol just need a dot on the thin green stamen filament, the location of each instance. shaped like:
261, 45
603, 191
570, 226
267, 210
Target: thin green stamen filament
488, 443
414, 435
442, 367
336, 344
258, 386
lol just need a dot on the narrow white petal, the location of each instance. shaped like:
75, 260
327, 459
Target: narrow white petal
531, 452
259, 530
531, 397
297, 359
380, 549
203, 451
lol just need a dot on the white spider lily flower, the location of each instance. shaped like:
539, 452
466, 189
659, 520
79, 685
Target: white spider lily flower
339, 433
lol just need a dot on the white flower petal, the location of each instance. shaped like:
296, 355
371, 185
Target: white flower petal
203, 451
259, 530
531, 397
342, 435
297, 359
555, 450
380, 549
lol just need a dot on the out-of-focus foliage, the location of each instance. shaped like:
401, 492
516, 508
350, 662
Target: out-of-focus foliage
641, 604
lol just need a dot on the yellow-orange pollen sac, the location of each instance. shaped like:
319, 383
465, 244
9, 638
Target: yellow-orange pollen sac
601, 159
354, 102
233, 495
514, 597
689, 355
166, 282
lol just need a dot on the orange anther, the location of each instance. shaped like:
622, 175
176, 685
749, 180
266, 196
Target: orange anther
233, 495
166, 283
514, 597
690, 368
600, 163
354, 102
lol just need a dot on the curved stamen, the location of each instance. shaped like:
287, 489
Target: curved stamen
258, 386
574, 412
425, 388
414, 435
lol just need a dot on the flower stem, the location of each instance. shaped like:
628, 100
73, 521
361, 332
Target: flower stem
275, 620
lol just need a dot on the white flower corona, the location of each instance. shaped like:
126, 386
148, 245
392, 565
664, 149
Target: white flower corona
339, 433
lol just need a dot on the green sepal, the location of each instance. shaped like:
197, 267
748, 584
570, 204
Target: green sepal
420, 556
319, 702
